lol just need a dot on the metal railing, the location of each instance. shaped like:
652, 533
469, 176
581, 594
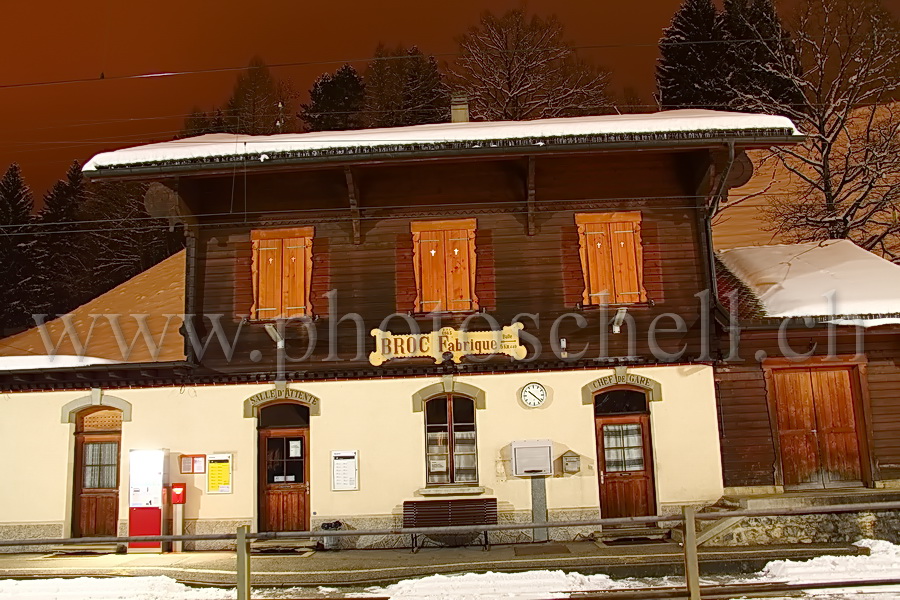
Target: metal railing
688, 517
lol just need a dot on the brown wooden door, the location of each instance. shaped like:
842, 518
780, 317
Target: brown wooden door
96, 510
817, 428
626, 466
284, 479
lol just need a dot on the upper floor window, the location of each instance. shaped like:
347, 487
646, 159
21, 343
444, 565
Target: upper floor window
282, 272
611, 257
450, 448
444, 261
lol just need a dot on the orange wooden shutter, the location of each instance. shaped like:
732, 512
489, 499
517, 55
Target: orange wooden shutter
296, 271
460, 248
267, 278
431, 259
611, 257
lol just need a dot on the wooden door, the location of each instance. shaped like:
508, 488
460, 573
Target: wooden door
626, 466
96, 506
817, 428
284, 479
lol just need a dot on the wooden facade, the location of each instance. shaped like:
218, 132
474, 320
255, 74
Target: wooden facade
378, 274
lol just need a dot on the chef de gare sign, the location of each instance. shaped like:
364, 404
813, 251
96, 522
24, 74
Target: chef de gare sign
457, 343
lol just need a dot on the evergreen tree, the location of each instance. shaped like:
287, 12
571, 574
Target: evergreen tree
689, 71
404, 87
16, 247
258, 103
758, 48
61, 254
336, 101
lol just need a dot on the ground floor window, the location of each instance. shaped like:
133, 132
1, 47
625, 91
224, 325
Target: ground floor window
450, 449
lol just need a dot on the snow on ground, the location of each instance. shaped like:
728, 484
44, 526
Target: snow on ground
108, 588
882, 563
215, 145
795, 280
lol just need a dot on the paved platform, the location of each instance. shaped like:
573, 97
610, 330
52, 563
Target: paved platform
364, 567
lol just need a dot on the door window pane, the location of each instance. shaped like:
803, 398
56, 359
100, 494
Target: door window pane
285, 460
623, 447
101, 465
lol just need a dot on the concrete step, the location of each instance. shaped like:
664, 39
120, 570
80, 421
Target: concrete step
631, 533
300, 546
83, 549
814, 498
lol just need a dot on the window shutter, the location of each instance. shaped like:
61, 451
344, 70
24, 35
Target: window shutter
296, 276
460, 269
431, 257
611, 257
267, 278
626, 261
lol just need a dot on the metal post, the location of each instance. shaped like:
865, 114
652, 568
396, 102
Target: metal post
177, 526
243, 563
691, 563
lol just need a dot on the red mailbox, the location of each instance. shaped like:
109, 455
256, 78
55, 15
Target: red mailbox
178, 493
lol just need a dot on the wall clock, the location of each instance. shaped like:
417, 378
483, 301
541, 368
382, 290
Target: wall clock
533, 395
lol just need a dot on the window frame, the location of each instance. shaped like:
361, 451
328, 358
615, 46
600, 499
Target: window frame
261, 236
593, 262
451, 453
441, 227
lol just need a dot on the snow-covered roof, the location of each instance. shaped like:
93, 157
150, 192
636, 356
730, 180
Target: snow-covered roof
834, 277
675, 125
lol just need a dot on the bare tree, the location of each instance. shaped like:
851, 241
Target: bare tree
845, 180
514, 67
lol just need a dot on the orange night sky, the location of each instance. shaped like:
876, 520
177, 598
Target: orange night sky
45, 127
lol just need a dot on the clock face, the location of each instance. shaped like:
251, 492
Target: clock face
533, 395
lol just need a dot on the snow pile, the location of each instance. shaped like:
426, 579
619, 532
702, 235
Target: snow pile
57, 361
217, 145
491, 586
883, 562
795, 280
108, 588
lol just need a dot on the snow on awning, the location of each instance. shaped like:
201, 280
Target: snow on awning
57, 361
819, 279
666, 125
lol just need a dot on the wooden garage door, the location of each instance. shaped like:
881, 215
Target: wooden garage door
817, 428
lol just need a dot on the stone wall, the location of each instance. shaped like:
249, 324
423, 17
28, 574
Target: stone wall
811, 529
27, 531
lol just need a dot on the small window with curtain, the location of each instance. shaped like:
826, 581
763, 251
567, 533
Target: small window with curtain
444, 265
450, 450
611, 257
282, 273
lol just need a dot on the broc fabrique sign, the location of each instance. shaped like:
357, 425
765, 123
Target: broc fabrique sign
455, 342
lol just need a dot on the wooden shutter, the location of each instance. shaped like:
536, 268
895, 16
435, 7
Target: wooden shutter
444, 259
267, 278
282, 272
296, 271
611, 257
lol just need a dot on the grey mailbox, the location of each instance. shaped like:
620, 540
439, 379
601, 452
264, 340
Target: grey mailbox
531, 458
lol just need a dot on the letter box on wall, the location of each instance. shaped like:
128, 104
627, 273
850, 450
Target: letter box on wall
532, 458
179, 493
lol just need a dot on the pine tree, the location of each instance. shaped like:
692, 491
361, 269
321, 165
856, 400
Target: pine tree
16, 241
61, 253
758, 47
336, 101
689, 71
403, 87
258, 104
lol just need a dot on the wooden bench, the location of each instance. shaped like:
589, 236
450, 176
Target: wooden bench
446, 513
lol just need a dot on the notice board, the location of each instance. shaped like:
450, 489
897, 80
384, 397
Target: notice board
344, 470
218, 474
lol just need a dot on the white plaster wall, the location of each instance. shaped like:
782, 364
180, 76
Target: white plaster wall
376, 418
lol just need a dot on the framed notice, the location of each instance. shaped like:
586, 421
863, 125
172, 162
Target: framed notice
344, 470
193, 464
218, 474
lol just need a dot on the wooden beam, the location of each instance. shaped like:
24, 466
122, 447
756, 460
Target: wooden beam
353, 195
529, 200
